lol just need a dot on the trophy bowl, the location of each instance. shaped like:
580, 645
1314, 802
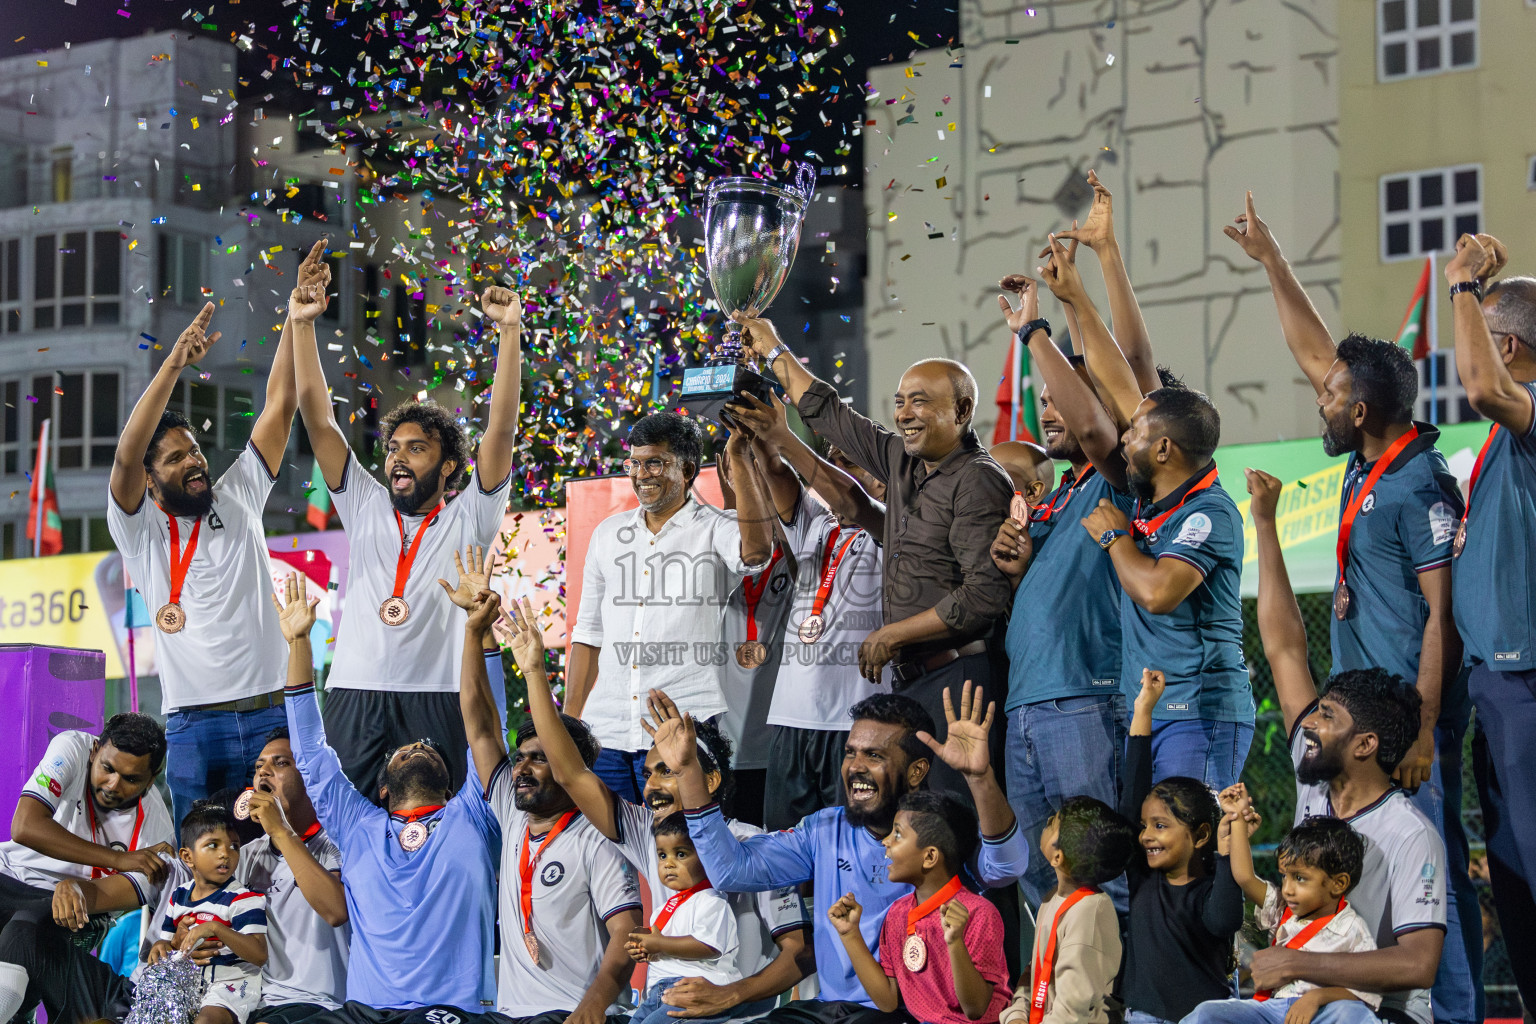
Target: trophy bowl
751, 235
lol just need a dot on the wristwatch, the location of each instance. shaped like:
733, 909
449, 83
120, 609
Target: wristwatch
778, 350
1037, 324
1108, 537
1473, 286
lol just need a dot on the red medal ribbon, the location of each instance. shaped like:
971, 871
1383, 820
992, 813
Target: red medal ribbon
752, 590
405, 559
829, 565
675, 901
1147, 527
1477, 470
931, 904
138, 823
1301, 938
180, 561
416, 813
1347, 524
525, 866
1045, 513
1046, 964
310, 833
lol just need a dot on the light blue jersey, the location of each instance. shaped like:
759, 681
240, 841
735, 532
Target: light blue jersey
422, 920
839, 858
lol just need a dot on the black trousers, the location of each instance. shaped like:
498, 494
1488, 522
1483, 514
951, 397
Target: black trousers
365, 726
73, 986
747, 802
806, 766
928, 690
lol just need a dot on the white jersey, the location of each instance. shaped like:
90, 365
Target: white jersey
61, 782
749, 691
579, 882
818, 682
421, 655
1402, 883
706, 916
306, 957
231, 646
760, 916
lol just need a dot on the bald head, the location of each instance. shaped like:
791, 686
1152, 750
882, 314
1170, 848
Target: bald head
934, 405
959, 377
1031, 470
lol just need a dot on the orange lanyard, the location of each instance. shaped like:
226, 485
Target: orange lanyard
931, 904
829, 565
752, 592
673, 904
1045, 513
525, 866
138, 823
1044, 965
1477, 470
1300, 939
1347, 524
1147, 528
181, 561
405, 559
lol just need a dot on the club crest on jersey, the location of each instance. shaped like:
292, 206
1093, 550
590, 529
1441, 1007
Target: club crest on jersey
1368, 504
552, 873
214, 522
779, 583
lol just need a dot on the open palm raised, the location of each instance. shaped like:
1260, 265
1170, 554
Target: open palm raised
965, 743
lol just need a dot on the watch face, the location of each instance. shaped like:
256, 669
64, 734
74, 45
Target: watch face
1107, 537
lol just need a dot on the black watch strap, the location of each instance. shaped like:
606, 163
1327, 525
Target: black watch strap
1474, 287
1037, 324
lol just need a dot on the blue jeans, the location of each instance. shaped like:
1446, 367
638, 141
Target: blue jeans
1137, 1017
622, 771
208, 751
652, 1010
1272, 1011
1457, 995
1058, 749
1198, 748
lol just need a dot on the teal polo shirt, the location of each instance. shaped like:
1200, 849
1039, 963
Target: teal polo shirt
1199, 645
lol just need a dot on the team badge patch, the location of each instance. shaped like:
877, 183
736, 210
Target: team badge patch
1194, 531
1442, 522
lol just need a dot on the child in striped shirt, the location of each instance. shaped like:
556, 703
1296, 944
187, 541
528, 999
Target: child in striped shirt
213, 909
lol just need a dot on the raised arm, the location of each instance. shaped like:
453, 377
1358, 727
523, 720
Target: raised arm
494, 460
1098, 234
129, 477
1107, 365
965, 750
762, 338
1281, 629
1305, 333
1085, 415
319, 415
846, 916
1491, 388
753, 516
588, 792
482, 725
270, 432
1238, 820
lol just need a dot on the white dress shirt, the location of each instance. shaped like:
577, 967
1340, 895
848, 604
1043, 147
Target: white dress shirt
653, 602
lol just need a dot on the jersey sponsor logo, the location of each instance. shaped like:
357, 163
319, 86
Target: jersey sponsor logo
552, 873
1442, 522
1506, 655
1105, 682
1194, 531
50, 784
1368, 505
1177, 707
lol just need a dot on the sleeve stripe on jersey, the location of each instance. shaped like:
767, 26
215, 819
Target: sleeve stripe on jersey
138, 891
262, 459
1004, 837
635, 905
1419, 927
1438, 563
345, 472
503, 765
706, 810
119, 504
39, 798
246, 895
1180, 558
785, 929
480, 483
299, 689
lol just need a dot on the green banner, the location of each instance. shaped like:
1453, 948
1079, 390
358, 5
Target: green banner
1308, 516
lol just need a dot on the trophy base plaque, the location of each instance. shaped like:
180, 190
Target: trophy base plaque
706, 389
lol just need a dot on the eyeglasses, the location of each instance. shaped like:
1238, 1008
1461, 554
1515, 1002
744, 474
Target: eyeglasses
652, 467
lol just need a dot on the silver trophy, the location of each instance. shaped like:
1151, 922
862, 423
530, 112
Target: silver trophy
751, 234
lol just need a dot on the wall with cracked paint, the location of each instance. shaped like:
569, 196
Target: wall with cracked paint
973, 155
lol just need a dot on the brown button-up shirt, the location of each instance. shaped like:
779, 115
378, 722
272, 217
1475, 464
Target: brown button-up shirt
939, 525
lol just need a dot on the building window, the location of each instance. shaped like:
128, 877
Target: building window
13, 174
1424, 37
181, 269
77, 279
84, 408
11, 443
221, 419
10, 285
1442, 399
1426, 211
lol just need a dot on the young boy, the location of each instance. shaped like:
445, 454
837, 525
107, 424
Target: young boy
212, 907
693, 933
1077, 936
941, 947
1320, 860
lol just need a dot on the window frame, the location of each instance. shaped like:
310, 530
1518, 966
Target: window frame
89, 298
1411, 35
1415, 214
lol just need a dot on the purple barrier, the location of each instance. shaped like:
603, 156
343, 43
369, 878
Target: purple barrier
43, 692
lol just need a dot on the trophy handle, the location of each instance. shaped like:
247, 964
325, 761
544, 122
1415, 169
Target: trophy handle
805, 180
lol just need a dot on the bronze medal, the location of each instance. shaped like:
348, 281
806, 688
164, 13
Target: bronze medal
170, 618
1018, 509
751, 654
533, 946
243, 805
1460, 541
394, 611
1341, 601
914, 953
413, 837
812, 629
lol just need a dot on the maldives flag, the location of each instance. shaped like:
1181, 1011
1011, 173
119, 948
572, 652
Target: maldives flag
1413, 335
1027, 425
319, 512
43, 502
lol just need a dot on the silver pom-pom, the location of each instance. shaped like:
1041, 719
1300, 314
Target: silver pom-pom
168, 992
